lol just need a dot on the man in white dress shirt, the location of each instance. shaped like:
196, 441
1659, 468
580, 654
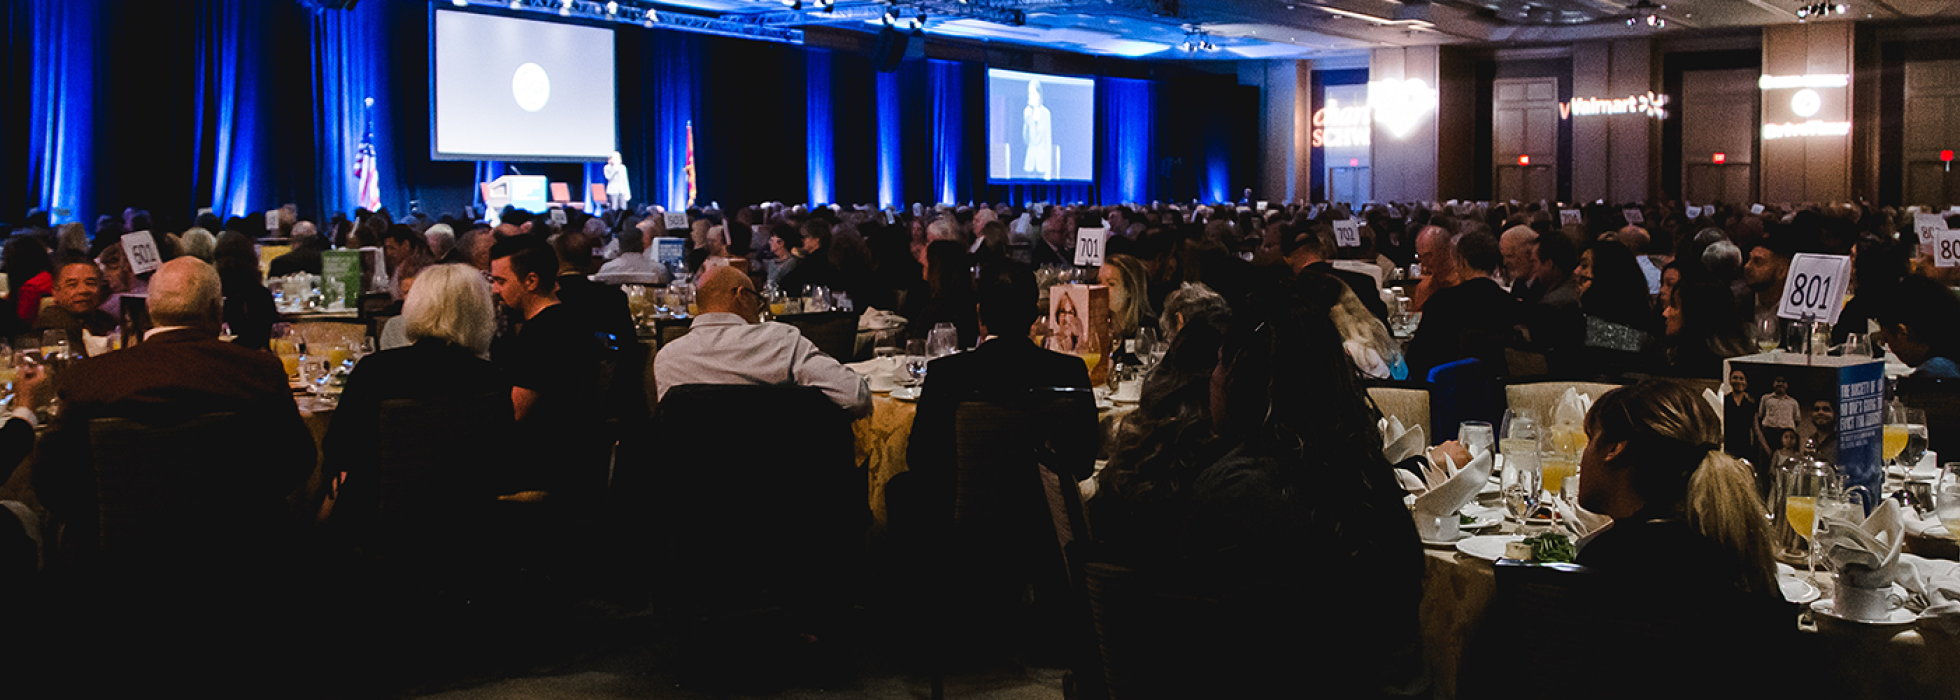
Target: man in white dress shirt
725, 345
634, 265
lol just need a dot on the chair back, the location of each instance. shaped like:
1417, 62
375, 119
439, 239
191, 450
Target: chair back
439, 468
1407, 404
724, 499
1539, 398
833, 332
560, 193
185, 492
598, 190
1002, 513
1461, 392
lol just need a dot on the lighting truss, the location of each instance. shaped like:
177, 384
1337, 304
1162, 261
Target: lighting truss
996, 11
647, 15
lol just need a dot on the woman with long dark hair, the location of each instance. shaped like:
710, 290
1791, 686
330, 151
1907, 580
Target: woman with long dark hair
945, 295
1703, 330
1617, 313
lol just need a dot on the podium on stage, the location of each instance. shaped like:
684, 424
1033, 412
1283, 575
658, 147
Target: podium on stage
527, 192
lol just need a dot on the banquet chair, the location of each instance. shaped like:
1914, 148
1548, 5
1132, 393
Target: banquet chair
1537, 399
167, 501
756, 537
561, 196
1166, 636
1712, 644
435, 519
833, 332
1410, 404
1460, 391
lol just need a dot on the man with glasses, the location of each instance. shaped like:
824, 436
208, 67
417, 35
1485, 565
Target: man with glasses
727, 345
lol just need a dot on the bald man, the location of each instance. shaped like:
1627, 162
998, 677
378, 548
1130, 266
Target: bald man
1436, 250
179, 371
726, 345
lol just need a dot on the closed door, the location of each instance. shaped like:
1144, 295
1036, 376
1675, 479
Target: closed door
1524, 130
1531, 183
1348, 185
1930, 183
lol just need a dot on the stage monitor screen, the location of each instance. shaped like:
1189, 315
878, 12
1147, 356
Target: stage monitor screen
1040, 128
516, 89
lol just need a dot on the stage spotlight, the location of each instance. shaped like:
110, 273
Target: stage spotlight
462, 3
652, 16
515, 4
612, 8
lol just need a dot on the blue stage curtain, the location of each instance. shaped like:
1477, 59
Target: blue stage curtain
228, 175
675, 103
819, 124
948, 88
349, 51
890, 143
1128, 139
61, 105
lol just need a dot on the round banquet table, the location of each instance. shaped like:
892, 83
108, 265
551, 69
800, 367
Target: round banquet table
883, 436
1457, 589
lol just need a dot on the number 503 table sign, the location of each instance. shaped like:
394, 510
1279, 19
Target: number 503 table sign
1815, 289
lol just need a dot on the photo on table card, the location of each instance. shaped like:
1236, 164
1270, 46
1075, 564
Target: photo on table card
1079, 322
1775, 404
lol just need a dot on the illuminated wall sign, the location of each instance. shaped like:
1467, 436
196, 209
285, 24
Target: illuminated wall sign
1808, 99
1338, 126
1399, 105
1649, 104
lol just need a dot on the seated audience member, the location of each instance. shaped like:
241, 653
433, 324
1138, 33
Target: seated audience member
726, 345
1129, 300
30, 273
635, 264
922, 502
198, 243
945, 295
394, 333
77, 310
180, 369
556, 365
1702, 330
1057, 243
1160, 448
1875, 271
1919, 320
307, 244
1472, 319
1686, 517
400, 242
1618, 330
1519, 245
249, 308
1191, 300
442, 244
1436, 251
784, 241
604, 306
448, 319
813, 267
1310, 248
1303, 487
475, 249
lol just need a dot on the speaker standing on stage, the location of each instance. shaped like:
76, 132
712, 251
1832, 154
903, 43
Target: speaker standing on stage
618, 189
1037, 134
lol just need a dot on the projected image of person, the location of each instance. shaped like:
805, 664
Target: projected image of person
1037, 135
618, 188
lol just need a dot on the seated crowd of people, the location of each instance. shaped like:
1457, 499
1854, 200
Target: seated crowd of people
1252, 463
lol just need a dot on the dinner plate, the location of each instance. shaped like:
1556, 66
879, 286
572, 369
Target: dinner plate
906, 393
1446, 544
1898, 618
1487, 547
1796, 590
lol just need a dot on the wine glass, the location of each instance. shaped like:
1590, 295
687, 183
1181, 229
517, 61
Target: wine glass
1147, 346
1769, 333
1905, 428
1476, 436
915, 364
942, 341
1946, 499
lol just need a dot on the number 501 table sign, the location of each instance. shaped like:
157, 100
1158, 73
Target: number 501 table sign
1815, 288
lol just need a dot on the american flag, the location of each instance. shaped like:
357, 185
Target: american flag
367, 172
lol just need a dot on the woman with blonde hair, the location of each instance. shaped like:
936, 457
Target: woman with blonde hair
1685, 515
1129, 296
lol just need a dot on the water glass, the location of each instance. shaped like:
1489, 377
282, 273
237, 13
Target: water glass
1946, 499
1905, 436
1522, 477
1147, 346
1476, 436
915, 362
942, 341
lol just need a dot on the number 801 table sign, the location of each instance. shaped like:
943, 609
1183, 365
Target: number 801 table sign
1814, 290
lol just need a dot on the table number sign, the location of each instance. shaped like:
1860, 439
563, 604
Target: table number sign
1089, 246
1815, 287
1928, 226
1946, 248
1260, 206
141, 249
1694, 213
1568, 217
1347, 233
558, 217
674, 220
272, 222
1634, 216
1756, 209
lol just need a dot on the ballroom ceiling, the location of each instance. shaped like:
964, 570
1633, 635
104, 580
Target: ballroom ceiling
1239, 29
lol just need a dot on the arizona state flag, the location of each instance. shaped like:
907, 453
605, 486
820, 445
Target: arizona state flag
690, 163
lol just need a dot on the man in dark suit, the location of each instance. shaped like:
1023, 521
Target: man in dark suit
1474, 318
1007, 362
1308, 250
181, 369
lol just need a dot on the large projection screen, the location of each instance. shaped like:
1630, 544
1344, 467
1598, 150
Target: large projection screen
1040, 128
518, 89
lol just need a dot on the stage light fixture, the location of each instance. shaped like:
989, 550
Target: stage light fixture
462, 3
1646, 13
612, 8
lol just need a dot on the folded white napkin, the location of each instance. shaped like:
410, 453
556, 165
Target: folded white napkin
1866, 553
875, 365
878, 320
1580, 521
1934, 588
1366, 359
1572, 407
1398, 442
1714, 401
1450, 488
